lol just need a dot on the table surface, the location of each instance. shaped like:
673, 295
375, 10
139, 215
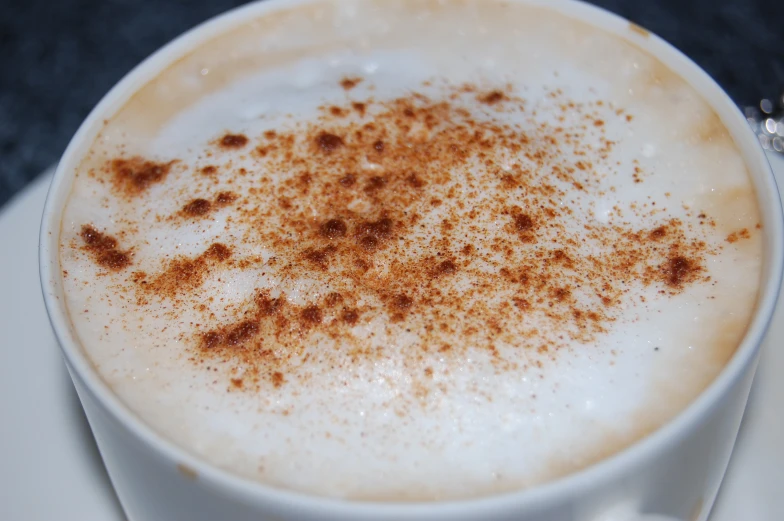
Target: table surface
58, 58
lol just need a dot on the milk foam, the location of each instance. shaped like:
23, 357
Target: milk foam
361, 430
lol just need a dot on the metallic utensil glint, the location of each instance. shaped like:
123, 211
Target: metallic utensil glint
767, 121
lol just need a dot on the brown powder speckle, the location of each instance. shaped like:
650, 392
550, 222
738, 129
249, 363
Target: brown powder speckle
658, 233
224, 198
277, 379
230, 336
446, 268
104, 249
736, 236
523, 222
350, 83
492, 97
347, 180
333, 229
184, 274
350, 316
320, 257
233, 141
218, 251
402, 302
312, 315
200, 207
197, 208
241, 333
329, 142
359, 107
678, 270
135, 175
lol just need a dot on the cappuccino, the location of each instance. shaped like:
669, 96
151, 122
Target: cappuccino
410, 250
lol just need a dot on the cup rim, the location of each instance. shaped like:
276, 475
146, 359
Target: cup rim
617, 464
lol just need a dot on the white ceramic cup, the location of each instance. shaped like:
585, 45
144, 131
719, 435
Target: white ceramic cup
673, 474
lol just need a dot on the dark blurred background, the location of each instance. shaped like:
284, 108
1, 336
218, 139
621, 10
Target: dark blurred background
58, 58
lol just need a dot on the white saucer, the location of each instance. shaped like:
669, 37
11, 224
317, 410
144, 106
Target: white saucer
50, 468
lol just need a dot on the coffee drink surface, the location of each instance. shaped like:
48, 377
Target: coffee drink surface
410, 250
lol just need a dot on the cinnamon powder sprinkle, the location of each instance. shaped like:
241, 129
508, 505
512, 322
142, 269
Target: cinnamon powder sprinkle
431, 215
184, 274
104, 249
233, 141
329, 142
135, 175
200, 207
349, 83
492, 97
736, 236
678, 270
197, 208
